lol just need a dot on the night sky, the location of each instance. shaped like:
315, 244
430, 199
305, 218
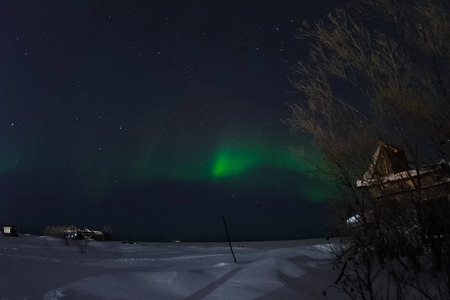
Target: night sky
156, 118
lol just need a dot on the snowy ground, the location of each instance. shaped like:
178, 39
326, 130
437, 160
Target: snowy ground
33, 267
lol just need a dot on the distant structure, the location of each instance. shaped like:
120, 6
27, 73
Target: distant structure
11, 230
90, 234
73, 233
70, 232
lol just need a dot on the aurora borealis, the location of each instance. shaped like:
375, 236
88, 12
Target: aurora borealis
156, 118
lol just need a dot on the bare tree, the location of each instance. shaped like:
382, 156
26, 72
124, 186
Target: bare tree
377, 70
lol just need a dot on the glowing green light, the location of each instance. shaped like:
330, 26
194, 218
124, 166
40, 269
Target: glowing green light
263, 161
252, 165
235, 161
232, 162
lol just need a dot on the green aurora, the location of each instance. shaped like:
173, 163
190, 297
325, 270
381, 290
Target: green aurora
233, 161
228, 162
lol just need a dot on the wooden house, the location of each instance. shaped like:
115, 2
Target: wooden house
397, 188
390, 177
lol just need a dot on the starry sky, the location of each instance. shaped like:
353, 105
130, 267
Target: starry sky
156, 118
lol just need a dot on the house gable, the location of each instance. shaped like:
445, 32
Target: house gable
388, 159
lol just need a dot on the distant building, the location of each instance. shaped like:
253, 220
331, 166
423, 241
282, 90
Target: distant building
73, 233
11, 230
70, 232
90, 234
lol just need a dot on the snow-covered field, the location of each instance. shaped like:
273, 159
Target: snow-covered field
34, 267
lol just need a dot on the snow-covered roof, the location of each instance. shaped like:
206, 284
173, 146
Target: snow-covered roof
402, 175
370, 178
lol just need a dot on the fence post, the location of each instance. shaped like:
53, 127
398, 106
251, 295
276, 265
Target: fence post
229, 241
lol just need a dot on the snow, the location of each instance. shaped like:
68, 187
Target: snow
34, 267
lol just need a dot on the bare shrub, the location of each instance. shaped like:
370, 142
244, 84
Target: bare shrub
396, 91
83, 245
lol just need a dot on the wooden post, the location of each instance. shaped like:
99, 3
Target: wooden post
229, 241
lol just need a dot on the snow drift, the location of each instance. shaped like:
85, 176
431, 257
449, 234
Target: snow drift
45, 268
